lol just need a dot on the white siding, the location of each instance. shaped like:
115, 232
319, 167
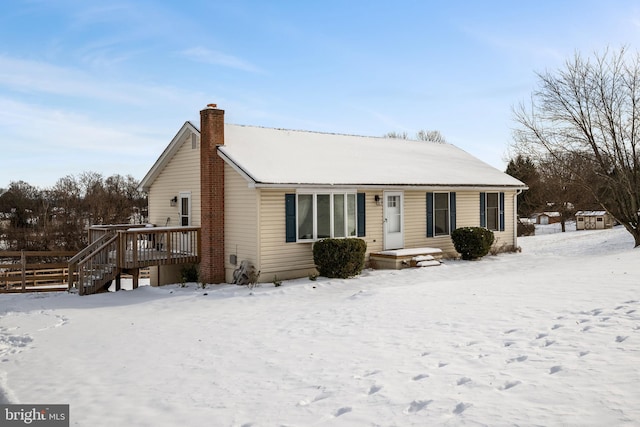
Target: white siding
374, 219
241, 222
415, 220
467, 215
182, 173
290, 260
277, 257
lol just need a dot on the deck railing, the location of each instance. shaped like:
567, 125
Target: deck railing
97, 231
115, 249
141, 247
99, 268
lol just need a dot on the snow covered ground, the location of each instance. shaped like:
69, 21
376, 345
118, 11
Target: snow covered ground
549, 336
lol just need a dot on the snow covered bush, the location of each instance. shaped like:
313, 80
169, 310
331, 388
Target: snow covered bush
341, 258
472, 242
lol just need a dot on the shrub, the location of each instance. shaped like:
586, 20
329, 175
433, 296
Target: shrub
504, 248
189, 273
276, 282
472, 242
341, 258
526, 229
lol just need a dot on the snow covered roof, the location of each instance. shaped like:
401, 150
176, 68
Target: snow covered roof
289, 157
591, 213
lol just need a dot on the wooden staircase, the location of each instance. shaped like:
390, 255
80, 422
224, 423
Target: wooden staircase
125, 248
95, 266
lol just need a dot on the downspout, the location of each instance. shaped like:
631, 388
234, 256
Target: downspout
515, 218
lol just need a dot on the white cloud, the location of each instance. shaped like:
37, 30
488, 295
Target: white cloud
33, 76
25, 76
37, 127
208, 56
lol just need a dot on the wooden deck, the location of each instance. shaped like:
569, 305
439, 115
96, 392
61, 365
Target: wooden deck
118, 249
113, 251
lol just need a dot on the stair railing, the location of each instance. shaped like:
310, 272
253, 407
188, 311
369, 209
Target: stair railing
99, 267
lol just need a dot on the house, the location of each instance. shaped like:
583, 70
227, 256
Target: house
593, 220
265, 195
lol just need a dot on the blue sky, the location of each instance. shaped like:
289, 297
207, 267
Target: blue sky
104, 86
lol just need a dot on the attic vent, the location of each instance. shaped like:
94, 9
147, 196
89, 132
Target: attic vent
194, 142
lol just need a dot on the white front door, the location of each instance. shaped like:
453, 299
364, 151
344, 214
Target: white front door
393, 220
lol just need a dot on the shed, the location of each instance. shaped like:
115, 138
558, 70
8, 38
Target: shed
593, 220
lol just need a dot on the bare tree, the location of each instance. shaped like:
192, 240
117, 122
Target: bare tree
561, 189
27, 209
421, 135
57, 218
586, 117
430, 136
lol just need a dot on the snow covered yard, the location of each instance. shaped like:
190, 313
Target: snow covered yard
550, 336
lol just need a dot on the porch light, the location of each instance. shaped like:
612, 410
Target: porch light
174, 201
377, 200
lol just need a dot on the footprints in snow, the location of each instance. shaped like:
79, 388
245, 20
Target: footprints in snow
461, 407
517, 359
555, 369
549, 349
463, 381
12, 344
420, 405
509, 384
417, 406
374, 389
342, 411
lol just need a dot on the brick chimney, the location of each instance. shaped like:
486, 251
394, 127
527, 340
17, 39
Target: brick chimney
212, 195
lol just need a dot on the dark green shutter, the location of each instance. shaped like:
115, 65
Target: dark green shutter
501, 210
452, 210
290, 217
361, 215
429, 214
483, 210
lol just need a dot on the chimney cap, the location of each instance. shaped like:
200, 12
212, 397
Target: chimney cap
212, 105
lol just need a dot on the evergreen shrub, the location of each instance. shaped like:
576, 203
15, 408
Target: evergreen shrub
472, 242
189, 273
339, 258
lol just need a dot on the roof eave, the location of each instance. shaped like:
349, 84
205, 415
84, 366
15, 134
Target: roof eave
397, 186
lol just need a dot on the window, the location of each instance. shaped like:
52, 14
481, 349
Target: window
325, 215
492, 211
441, 213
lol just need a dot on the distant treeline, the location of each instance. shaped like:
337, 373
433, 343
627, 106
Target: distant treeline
33, 218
